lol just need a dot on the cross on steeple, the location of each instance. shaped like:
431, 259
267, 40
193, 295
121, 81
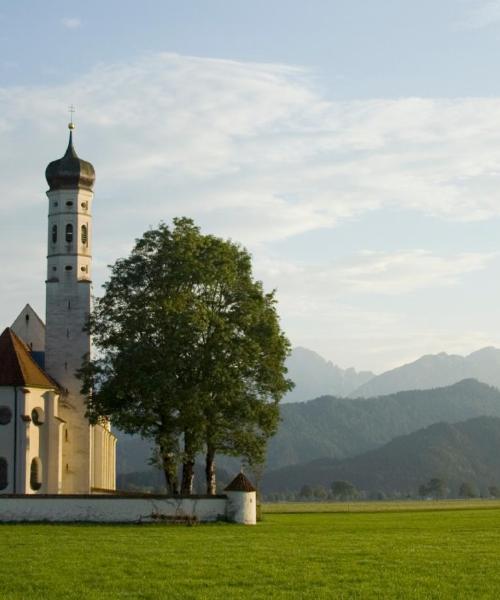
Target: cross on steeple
71, 110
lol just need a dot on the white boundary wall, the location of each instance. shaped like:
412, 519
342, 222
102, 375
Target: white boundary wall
124, 509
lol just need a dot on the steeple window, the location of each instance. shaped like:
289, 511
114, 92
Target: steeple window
54, 234
69, 233
85, 235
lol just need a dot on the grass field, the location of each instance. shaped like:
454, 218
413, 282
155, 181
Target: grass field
379, 554
385, 506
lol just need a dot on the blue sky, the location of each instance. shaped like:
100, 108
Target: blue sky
352, 146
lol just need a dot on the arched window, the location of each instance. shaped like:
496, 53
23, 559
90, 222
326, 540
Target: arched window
85, 235
69, 233
36, 474
4, 473
38, 416
5, 415
54, 234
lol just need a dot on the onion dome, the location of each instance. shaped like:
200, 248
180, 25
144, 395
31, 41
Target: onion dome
70, 171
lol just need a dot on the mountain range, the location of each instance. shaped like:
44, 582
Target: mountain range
330, 427
434, 370
314, 376
456, 452
340, 428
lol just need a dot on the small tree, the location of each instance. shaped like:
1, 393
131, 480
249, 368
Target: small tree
377, 495
466, 490
306, 491
320, 493
344, 490
435, 488
494, 491
190, 352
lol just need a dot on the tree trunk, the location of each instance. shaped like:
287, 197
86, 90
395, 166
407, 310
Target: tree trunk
188, 464
187, 477
170, 471
210, 471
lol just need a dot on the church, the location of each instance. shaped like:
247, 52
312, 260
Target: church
47, 445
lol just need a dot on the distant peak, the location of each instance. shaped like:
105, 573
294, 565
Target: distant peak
484, 351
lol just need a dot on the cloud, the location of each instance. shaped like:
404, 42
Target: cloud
255, 152
71, 22
479, 14
405, 272
355, 311
233, 143
314, 287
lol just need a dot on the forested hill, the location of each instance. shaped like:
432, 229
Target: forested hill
435, 370
463, 452
314, 376
340, 428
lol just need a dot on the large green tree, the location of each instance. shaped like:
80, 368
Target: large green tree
189, 351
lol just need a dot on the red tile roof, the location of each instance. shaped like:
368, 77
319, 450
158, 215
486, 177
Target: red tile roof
17, 366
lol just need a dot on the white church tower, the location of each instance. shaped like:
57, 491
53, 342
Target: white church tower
47, 445
88, 453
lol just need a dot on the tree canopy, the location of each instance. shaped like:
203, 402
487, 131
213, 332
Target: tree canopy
344, 490
467, 490
434, 488
189, 351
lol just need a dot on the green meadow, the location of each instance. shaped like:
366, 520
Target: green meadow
376, 550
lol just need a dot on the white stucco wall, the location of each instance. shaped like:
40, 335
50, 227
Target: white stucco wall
109, 509
21, 440
103, 458
7, 435
30, 328
242, 507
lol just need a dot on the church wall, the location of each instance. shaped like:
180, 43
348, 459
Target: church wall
29, 328
23, 441
66, 347
104, 458
7, 438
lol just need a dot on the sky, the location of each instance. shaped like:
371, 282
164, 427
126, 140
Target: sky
352, 146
